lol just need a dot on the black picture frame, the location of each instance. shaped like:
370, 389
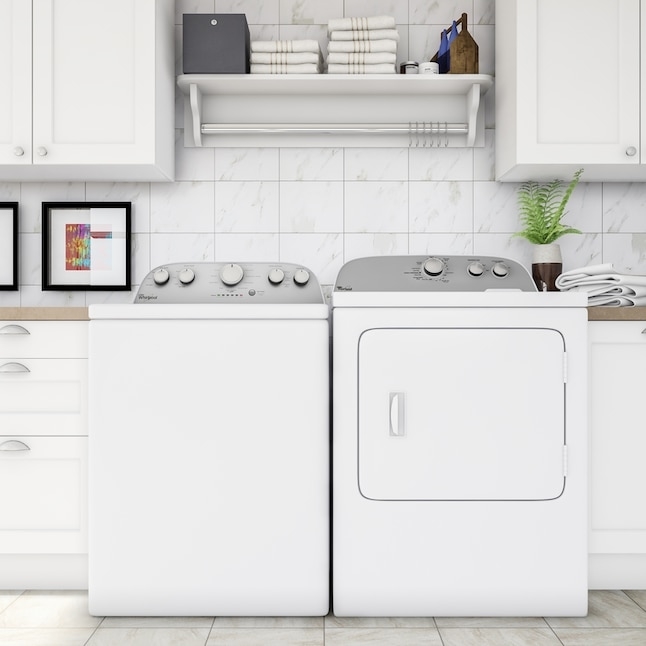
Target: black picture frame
8, 246
86, 246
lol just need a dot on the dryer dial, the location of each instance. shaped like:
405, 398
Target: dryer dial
161, 276
231, 274
433, 267
186, 276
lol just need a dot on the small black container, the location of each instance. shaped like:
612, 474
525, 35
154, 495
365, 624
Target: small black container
216, 43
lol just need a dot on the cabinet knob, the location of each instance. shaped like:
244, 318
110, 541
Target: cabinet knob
631, 151
42, 151
18, 151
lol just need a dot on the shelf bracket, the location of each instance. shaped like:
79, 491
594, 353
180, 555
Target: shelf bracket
473, 105
195, 99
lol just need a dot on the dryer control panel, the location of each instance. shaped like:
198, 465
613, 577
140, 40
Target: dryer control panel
433, 273
212, 282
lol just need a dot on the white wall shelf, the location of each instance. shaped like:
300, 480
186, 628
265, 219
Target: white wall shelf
334, 110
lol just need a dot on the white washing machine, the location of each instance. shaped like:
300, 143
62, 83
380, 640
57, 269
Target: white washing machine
460, 441
209, 444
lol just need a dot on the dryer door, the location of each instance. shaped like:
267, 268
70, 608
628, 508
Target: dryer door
461, 414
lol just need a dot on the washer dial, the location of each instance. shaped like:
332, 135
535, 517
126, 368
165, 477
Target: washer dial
475, 269
186, 276
500, 270
301, 277
231, 274
161, 276
276, 276
433, 267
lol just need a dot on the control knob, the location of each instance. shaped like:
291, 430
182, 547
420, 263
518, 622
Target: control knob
475, 269
301, 277
276, 276
433, 267
161, 276
231, 274
500, 270
186, 276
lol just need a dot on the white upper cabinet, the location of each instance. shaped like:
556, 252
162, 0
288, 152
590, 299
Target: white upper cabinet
91, 90
15, 80
568, 90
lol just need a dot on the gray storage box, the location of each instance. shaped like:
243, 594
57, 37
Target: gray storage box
216, 43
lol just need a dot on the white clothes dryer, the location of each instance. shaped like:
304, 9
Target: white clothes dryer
460, 441
209, 444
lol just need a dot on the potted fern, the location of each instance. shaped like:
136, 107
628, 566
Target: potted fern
542, 207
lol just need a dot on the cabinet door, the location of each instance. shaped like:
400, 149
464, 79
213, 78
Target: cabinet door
94, 81
43, 507
617, 438
15, 81
43, 397
578, 91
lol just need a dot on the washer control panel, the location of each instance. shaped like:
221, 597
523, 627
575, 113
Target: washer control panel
433, 273
211, 282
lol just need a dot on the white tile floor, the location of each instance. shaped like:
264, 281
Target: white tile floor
35, 618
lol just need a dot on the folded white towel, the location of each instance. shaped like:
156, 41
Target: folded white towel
285, 46
280, 68
360, 68
597, 275
616, 301
367, 59
269, 58
363, 46
365, 34
357, 24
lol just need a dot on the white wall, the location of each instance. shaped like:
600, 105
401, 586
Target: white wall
323, 206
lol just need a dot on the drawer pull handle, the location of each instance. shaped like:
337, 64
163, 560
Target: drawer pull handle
644, 331
14, 366
14, 445
14, 329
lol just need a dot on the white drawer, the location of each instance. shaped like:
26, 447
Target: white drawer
43, 507
43, 339
43, 397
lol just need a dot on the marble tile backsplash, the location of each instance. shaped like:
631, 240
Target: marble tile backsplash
324, 206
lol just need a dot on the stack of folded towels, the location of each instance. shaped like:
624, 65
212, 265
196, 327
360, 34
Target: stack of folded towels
362, 45
285, 57
605, 286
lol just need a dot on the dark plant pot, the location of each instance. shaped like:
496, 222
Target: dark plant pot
546, 266
545, 275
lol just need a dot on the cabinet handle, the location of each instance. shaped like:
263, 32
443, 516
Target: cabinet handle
18, 151
644, 331
14, 329
13, 366
42, 151
631, 151
14, 445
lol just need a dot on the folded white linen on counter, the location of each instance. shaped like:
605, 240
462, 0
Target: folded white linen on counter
281, 68
360, 68
605, 286
365, 34
272, 58
345, 58
285, 46
358, 24
363, 46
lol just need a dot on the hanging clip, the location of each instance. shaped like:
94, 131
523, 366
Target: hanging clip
446, 134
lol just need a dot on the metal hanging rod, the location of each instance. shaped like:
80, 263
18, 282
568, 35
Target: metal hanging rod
413, 129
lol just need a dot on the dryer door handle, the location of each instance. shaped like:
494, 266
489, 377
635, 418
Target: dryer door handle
397, 418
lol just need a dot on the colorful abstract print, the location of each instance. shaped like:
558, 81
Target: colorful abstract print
78, 245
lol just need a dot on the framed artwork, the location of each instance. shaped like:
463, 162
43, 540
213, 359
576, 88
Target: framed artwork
9, 245
86, 245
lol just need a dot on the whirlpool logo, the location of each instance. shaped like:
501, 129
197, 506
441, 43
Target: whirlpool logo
146, 297
342, 288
